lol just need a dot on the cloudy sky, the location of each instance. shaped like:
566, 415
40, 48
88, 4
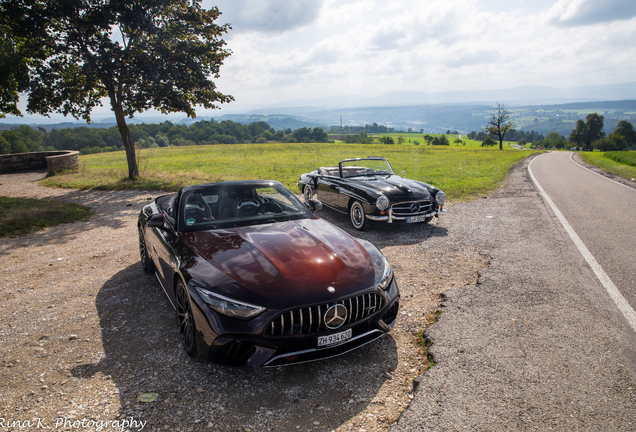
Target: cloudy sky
286, 50
304, 49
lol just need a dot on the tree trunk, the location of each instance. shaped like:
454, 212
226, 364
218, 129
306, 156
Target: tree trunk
129, 145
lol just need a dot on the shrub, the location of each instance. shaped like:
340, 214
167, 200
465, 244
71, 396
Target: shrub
612, 143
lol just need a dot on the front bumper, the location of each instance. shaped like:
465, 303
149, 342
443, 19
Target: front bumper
390, 218
245, 350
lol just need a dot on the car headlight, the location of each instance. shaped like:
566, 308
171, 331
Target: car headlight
387, 274
382, 202
228, 306
440, 198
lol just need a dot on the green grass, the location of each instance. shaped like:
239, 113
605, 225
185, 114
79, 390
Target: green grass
620, 163
624, 157
462, 172
23, 215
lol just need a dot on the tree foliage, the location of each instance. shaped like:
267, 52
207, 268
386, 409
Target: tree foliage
626, 130
613, 142
95, 140
499, 123
488, 142
553, 139
588, 131
138, 54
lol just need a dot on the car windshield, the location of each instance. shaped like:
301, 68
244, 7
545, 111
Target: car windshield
364, 167
238, 205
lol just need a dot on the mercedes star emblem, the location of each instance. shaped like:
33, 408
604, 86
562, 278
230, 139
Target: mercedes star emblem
415, 207
335, 316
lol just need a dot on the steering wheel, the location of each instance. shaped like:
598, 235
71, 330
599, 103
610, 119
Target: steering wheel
269, 207
381, 168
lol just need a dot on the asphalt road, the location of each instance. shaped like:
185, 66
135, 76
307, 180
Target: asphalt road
600, 211
538, 344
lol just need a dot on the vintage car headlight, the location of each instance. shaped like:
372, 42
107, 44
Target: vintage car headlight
387, 274
229, 307
382, 202
440, 198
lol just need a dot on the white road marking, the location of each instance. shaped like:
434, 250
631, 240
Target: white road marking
619, 300
602, 176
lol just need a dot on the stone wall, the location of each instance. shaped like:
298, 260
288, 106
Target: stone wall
53, 161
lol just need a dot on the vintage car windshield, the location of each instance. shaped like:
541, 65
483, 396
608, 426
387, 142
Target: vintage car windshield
239, 205
365, 167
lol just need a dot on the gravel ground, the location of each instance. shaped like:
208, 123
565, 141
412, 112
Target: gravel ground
84, 332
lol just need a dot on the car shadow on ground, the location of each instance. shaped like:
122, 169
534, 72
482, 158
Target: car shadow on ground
142, 354
386, 234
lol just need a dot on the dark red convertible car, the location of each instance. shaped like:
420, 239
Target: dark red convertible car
257, 280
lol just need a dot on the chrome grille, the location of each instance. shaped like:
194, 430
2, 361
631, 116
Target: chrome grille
405, 209
309, 320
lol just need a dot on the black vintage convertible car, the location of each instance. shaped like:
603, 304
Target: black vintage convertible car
368, 190
257, 280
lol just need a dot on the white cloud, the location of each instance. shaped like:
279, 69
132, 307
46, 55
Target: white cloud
573, 13
267, 16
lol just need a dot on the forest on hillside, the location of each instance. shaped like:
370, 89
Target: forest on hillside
23, 139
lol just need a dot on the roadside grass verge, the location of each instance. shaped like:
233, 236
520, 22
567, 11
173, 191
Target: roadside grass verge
463, 173
619, 163
23, 215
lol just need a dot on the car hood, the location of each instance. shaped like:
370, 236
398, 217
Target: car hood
284, 256
396, 187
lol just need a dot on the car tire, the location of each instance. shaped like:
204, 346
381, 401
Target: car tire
308, 193
146, 262
185, 320
358, 218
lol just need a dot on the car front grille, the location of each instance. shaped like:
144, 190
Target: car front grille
311, 320
407, 208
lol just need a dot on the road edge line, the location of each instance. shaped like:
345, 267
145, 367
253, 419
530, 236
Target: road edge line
614, 293
600, 175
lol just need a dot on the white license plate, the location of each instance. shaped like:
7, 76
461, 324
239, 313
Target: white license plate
335, 338
420, 218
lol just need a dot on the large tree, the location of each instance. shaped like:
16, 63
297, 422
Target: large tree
136, 54
626, 130
499, 123
588, 131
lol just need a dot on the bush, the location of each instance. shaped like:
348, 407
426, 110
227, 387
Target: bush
488, 142
90, 150
612, 143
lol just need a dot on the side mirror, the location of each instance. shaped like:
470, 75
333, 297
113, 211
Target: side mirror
156, 221
314, 205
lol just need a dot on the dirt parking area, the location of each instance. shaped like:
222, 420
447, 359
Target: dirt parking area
84, 332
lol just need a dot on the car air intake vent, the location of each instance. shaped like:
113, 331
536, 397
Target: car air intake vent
310, 320
412, 208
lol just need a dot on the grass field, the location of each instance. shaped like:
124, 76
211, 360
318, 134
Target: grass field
462, 172
23, 215
620, 163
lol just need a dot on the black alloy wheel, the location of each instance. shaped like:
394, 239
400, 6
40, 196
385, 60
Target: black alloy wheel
358, 218
185, 320
308, 193
146, 263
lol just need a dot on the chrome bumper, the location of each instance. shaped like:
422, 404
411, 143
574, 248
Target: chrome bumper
390, 218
